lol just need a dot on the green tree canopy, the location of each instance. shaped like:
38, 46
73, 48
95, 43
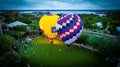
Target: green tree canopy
5, 42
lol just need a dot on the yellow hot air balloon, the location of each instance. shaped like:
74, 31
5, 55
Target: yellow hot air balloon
47, 24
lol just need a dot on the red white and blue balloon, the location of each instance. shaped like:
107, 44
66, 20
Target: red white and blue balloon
69, 27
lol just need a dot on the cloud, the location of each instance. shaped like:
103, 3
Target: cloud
106, 4
64, 5
34, 1
9, 4
60, 4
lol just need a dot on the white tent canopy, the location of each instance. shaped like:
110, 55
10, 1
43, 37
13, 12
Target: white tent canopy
118, 28
16, 23
99, 24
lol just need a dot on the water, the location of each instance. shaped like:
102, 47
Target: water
58, 11
101, 13
78, 12
98, 12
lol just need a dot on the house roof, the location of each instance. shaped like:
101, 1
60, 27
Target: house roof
16, 23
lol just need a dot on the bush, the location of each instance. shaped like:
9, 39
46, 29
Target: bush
13, 60
19, 28
106, 46
5, 42
82, 39
96, 40
112, 28
34, 26
8, 32
15, 34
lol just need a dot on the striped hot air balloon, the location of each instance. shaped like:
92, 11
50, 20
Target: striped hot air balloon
69, 28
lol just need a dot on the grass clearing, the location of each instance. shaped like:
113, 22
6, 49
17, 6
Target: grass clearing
41, 54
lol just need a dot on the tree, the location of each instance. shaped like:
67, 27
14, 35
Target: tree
27, 18
5, 42
13, 60
59, 14
10, 16
89, 19
112, 29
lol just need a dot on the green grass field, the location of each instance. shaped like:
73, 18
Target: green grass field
47, 55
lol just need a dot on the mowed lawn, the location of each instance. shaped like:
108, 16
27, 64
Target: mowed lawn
42, 54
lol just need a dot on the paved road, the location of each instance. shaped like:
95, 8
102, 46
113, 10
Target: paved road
107, 35
87, 47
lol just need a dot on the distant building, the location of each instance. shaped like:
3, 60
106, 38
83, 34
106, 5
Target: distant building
101, 15
37, 14
16, 23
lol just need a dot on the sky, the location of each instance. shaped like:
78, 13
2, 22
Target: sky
60, 4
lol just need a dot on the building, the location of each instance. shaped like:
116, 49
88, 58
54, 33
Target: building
16, 23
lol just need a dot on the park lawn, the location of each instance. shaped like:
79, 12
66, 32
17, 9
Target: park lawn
42, 54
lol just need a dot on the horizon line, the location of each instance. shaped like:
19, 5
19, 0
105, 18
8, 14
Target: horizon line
60, 9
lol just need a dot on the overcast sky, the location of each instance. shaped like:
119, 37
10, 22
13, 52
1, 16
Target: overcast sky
60, 4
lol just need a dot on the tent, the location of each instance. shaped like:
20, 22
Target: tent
118, 28
16, 23
99, 24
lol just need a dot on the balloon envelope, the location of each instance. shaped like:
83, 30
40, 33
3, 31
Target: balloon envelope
69, 27
47, 24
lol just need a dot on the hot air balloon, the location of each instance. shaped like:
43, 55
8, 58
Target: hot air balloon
69, 28
47, 24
